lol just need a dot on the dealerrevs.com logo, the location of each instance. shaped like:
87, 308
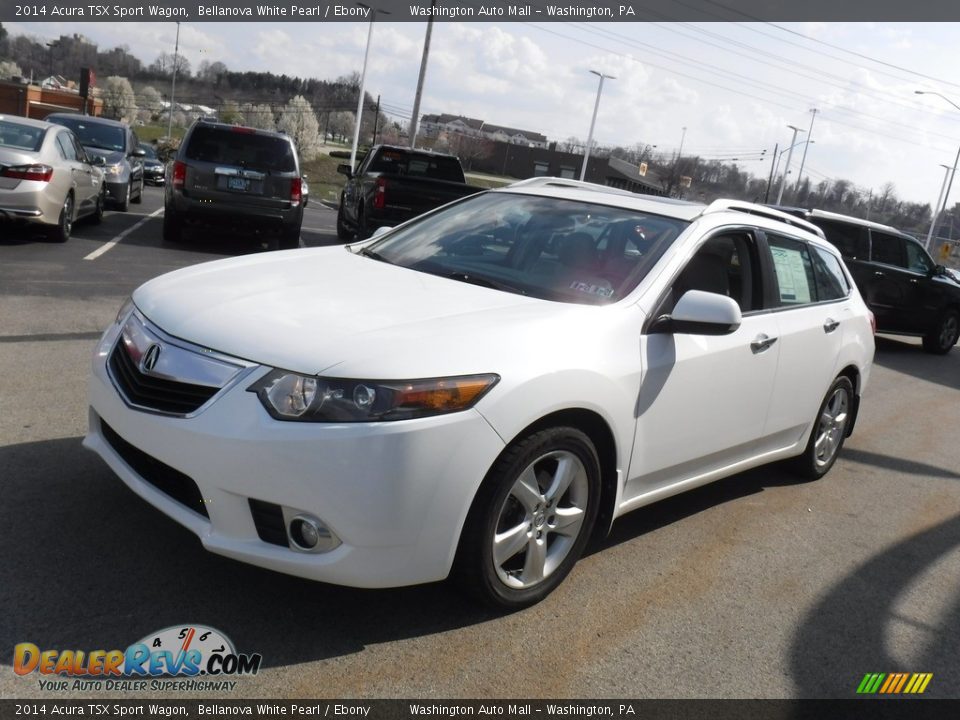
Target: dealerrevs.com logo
181, 651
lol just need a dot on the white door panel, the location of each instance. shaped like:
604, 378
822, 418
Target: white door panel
703, 402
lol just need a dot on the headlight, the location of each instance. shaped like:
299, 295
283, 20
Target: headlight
113, 169
125, 310
290, 396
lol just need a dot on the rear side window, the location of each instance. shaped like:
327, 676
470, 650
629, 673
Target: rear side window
241, 149
67, 148
887, 249
395, 162
830, 279
850, 240
20, 137
794, 270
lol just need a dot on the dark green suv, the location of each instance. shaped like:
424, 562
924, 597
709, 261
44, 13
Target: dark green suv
235, 179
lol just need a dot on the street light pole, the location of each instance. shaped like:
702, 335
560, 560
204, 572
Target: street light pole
786, 168
415, 116
933, 220
813, 116
593, 120
173, 83
363, 80
953, 173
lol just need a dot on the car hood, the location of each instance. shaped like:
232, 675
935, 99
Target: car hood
313, 310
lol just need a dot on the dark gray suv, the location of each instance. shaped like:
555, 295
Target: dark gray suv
237, 179
907, 291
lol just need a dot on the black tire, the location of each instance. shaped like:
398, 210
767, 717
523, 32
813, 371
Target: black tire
61, 231
97, 216
515, 578
124, 205
829, 431
139, 198
363, 231
343, 230
172, 227
289, 239
942, 340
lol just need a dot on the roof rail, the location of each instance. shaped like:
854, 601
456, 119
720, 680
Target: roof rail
765, 212
544, 181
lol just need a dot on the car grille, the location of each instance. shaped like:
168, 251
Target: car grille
154, 393
164, 478
268, 519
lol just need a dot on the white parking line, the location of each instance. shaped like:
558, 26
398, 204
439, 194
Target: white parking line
110, 245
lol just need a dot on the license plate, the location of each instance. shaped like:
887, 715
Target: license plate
236, 183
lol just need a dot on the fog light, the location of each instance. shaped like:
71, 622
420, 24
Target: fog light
308, 534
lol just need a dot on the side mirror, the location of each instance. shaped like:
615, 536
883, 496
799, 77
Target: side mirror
345, 169
380, 231
97, 161
700, 313
139, 152
305, 176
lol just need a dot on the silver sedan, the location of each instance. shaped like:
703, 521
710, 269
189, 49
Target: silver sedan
46, 177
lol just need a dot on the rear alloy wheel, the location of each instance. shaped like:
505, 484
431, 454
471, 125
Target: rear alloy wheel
61, 231
829, 431
941, 340
531, 519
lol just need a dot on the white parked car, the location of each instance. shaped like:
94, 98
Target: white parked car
477, 391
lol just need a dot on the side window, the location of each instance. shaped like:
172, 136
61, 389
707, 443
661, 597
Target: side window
67, 150
794, 270
831, 281
851, 240
917, 258
887, 249
727, 265
78, 148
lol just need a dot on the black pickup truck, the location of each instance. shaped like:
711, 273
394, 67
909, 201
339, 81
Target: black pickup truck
393, 184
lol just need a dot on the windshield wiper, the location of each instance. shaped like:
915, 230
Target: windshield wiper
485, 282
374, 255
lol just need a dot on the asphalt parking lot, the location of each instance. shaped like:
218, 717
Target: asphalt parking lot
755, 586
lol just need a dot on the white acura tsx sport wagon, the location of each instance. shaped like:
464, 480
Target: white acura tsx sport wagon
475, 392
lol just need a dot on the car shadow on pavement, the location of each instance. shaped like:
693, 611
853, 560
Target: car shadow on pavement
876, 609
902, 355
87, 564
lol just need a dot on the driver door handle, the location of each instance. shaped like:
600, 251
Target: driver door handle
830, 325
762, 343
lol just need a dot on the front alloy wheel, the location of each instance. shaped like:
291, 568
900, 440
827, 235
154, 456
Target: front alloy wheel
531, 518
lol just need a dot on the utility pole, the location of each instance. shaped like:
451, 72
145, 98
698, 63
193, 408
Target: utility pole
173, 83
806, 145
786, 168
766, 196
376, 122
415, 117
593, 120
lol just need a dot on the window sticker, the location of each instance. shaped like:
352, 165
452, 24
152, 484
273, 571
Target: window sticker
592, 289
791, 275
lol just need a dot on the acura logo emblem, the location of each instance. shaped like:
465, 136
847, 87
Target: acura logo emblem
150, 357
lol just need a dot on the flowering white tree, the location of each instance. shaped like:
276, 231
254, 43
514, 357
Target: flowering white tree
298, 120
118, 99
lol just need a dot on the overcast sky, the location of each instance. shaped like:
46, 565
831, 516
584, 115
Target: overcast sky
735, 87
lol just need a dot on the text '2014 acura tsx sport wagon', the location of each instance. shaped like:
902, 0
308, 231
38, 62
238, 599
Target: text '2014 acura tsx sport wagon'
475, 392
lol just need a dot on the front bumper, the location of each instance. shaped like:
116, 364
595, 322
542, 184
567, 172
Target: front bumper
396, 493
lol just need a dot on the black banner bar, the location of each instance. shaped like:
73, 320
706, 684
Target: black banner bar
860, 709
498, 11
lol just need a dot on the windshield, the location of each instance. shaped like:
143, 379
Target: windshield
95, 135
548, 248
149, 152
